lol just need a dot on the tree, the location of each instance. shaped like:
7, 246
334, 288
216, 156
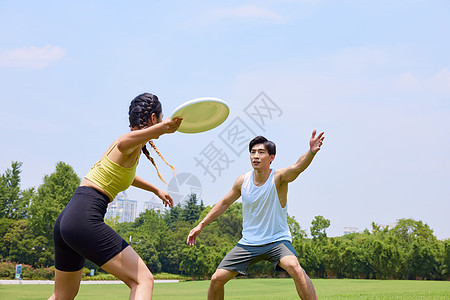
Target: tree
332, 257
423, 260
446, 272
407, 230
23, 246
13, 201
311, 257
52, 196
191, 210
294, 227
150, 238
5, 225
318, 228
225, 230
113, 222
200, 261
354, 262
384, 257
173, 215
172, 254
196, 261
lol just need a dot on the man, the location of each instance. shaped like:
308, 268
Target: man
265, 233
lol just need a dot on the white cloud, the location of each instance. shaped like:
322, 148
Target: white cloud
358, 59
31, 57
249, 12
434, 86
440, 82
207, 17
407, 81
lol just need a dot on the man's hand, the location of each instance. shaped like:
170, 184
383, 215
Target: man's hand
316, 142
165, 197
191, 240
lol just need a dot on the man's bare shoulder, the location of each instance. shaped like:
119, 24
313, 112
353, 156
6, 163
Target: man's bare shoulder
239, 181
278, 175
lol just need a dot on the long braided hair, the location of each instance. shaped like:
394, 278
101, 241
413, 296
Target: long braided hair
141, 109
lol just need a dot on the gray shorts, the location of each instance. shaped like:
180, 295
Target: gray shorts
242, 256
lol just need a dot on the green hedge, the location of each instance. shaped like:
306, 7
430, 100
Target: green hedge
8, 271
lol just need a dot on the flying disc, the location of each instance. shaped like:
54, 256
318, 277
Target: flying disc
201, 114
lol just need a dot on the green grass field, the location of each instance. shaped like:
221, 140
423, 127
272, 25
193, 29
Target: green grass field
253, 289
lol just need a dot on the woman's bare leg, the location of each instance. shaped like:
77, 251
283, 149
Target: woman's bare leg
67, 285
131, 269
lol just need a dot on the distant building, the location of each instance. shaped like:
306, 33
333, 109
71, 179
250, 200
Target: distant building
348, 230
388, 226
155, 204
123, 208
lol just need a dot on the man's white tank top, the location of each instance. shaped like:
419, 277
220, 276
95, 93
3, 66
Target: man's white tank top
264, 220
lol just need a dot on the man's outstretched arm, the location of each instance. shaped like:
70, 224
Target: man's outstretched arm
289, 174
217, 210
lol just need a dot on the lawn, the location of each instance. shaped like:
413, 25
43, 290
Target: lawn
253, 289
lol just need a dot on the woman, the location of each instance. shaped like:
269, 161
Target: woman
80, 231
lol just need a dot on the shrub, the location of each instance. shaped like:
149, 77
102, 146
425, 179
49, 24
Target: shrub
7, 270
101, 277
28, 272
44, 273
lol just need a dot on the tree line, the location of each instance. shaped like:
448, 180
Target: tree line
408, 251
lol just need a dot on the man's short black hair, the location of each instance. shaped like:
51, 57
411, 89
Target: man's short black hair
268, 145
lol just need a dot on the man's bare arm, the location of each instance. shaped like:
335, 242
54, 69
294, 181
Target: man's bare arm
289, 174
217, 210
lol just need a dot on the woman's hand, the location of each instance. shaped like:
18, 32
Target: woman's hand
165, 197
171, 125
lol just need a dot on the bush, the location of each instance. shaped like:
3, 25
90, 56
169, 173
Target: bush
44, 273
28, 272
7, 270
86, 272
101, 277
162, 276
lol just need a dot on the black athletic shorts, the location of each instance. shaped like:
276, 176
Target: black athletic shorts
80, 232
242, 256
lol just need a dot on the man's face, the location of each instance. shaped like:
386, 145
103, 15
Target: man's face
260, 157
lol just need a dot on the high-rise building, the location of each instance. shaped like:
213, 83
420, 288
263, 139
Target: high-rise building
155, 204
348, 230
123, 208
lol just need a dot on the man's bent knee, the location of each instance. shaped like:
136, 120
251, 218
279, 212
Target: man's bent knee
221, 277
217, 279
292, 266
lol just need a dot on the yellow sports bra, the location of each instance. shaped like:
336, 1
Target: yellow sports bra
111, 177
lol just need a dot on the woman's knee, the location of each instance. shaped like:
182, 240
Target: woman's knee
144, 278
66, 294
149, 279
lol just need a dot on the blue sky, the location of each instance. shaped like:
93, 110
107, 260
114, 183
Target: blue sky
374, 75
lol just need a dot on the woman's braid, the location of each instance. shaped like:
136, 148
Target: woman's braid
141, 108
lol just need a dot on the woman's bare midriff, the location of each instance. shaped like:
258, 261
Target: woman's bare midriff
89, 183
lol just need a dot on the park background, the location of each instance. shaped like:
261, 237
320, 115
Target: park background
373, 75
